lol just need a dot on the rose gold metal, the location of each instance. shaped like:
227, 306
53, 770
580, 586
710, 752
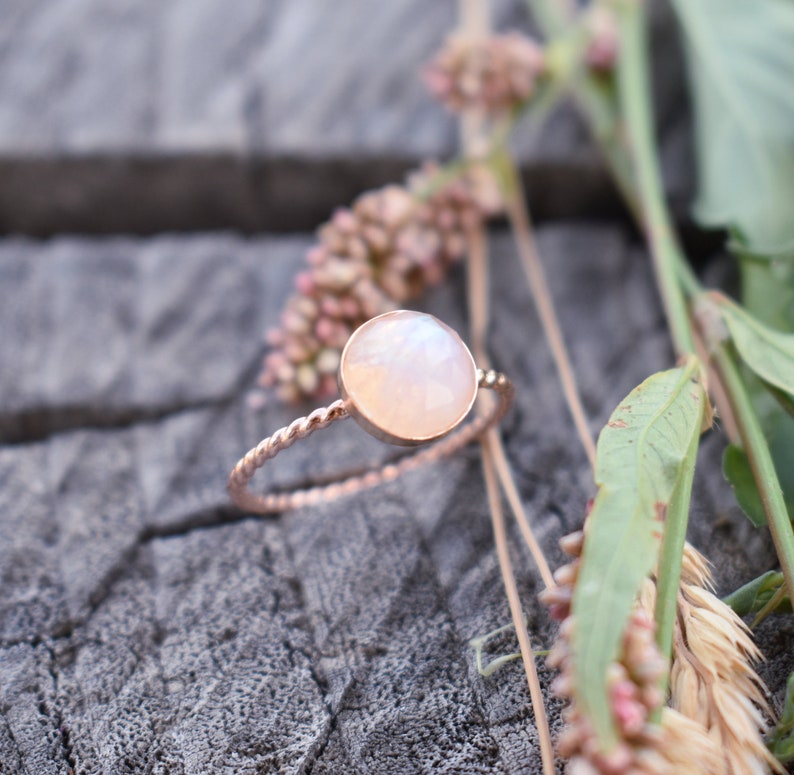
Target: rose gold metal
320, 418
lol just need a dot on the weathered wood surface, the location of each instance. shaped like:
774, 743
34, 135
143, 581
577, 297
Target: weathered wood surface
147, 627
142, 116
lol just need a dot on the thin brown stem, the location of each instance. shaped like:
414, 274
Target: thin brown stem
475, 22
516, 612
478, 323
495, 462
716, 389
536, 277
514, 499
477, 291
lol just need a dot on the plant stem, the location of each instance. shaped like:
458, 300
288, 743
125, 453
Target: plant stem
508, 577
494, 460
761, 462
668, 577
671, 270
603, 120
477, 270
780, 594
475, 22
634, 92
514, 499
539, 287
717, 390
551, 16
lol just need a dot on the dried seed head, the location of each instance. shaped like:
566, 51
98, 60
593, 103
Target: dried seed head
712, 680
717, 700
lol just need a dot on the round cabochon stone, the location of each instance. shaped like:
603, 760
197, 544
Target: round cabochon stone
407, 377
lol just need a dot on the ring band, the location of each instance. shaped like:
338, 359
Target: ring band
392, 378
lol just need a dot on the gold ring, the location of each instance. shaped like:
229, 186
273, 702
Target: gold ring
407, 379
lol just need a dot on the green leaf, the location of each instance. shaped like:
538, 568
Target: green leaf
781, 740
741, 65
668, 572
754, 595
784, 400
736, 469
768, 291
643, 452
769, 353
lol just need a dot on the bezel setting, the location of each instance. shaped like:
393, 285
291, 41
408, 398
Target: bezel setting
407, 378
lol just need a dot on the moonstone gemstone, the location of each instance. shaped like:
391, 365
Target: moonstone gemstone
407, 377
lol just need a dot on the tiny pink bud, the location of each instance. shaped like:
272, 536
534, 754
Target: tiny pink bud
285, 373
324, 329
266, 379
305, 306
630, 716
297, 350
455, 245
274, 337
572, 543
560, 651
438, 83
331, 306
376, 237
304, 282
328, 386
562, 685
615, 762
556, 596
433, 274
345, 221
274, 360
349, 308
294, 322
397, 204
256, 400
566, 574
316, 255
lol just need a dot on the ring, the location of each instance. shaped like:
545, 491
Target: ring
407, 379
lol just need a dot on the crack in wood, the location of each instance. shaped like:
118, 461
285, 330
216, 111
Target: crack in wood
42, 423
55, 713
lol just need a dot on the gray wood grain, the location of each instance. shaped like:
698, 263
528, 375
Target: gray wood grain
147, 627
142, 116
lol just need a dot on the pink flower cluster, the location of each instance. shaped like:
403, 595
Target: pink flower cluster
495, 74
633, 684
387, 248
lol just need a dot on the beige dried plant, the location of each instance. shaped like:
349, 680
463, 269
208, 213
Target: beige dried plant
717, 706
712, 680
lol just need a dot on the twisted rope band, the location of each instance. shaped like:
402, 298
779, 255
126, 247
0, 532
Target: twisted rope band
320, 418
